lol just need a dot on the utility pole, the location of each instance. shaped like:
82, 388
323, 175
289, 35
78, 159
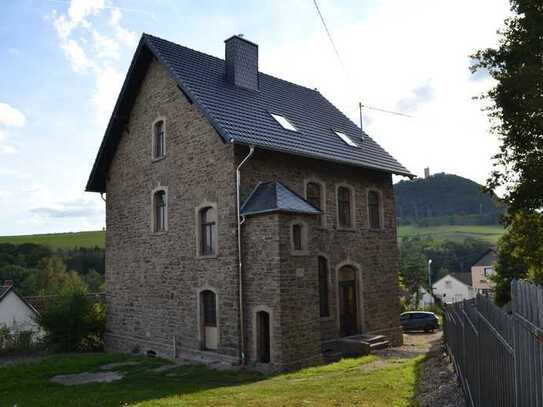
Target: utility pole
430, 277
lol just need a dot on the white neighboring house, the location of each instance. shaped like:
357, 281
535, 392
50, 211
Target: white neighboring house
454, 287
16, 313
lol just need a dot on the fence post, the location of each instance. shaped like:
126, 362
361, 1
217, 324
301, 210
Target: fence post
514, 309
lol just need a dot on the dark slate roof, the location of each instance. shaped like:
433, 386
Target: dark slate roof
463, 277
243, 116
488, 258
275, 197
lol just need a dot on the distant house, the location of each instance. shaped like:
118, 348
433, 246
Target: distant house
15, 312
425, 299
454, 287
481, 271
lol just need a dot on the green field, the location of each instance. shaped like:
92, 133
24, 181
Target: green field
454, 232
97, 238
60, 240
365, 381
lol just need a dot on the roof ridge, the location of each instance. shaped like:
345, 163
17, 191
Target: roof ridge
222, 60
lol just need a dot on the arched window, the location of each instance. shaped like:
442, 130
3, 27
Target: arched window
344, 205
314, 195
208, 231
209, 319
374, 210
297, 237
159, 139
159, 211
323, 287
263, 337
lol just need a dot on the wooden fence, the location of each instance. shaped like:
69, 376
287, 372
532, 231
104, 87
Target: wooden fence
498, 355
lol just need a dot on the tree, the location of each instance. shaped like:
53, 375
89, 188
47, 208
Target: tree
516, 109
516, 113
520, 254
413, 274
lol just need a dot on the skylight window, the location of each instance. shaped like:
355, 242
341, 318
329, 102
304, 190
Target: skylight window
346, 138
283, 122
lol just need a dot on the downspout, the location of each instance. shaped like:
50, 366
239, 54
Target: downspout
240, 264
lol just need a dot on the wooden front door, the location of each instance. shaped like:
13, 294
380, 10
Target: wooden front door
347, 308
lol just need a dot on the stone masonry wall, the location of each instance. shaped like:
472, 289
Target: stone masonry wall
153, 280
374, 253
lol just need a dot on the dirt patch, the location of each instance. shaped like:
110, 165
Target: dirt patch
83, 378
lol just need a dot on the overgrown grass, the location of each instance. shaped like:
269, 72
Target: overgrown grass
348, 382
60, 240
489, 233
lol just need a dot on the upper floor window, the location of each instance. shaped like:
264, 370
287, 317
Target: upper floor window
297, 237
208, 231
159, 139
344, 205
323, 287
374, 211
314, 195
159, 211
488, 271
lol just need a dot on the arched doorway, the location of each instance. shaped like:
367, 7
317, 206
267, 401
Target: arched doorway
263, 337
348, 300
209, 320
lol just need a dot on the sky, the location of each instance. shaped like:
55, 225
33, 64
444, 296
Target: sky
62, 64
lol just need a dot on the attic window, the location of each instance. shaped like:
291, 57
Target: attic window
346, 138
283, 122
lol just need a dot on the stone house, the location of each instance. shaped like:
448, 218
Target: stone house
248, 220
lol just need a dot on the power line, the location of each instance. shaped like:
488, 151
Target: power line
347, 72
329, 35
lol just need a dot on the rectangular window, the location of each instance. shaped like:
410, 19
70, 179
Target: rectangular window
344, 207
159, 139
374, 210
283, 122
488, 271
297, 239
160, 211
346, 139
323, 288
314, 196
210, 310
208, 231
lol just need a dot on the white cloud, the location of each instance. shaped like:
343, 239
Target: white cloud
108, 85
95, 50
105, 47
10, 116
77, 56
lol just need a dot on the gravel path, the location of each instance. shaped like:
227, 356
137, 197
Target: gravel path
437, 384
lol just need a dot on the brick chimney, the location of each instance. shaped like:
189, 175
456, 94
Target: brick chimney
241, 58
8, 283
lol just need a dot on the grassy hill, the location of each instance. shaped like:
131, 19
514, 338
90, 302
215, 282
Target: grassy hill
490, 233
60, 240
444, 199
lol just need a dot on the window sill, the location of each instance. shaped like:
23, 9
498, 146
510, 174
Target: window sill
327, 319
156, 159
206, 256
161, 233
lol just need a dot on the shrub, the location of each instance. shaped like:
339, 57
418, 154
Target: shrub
73, 322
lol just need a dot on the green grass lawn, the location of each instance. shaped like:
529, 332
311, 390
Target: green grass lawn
60, 240
454, 232
348, 382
